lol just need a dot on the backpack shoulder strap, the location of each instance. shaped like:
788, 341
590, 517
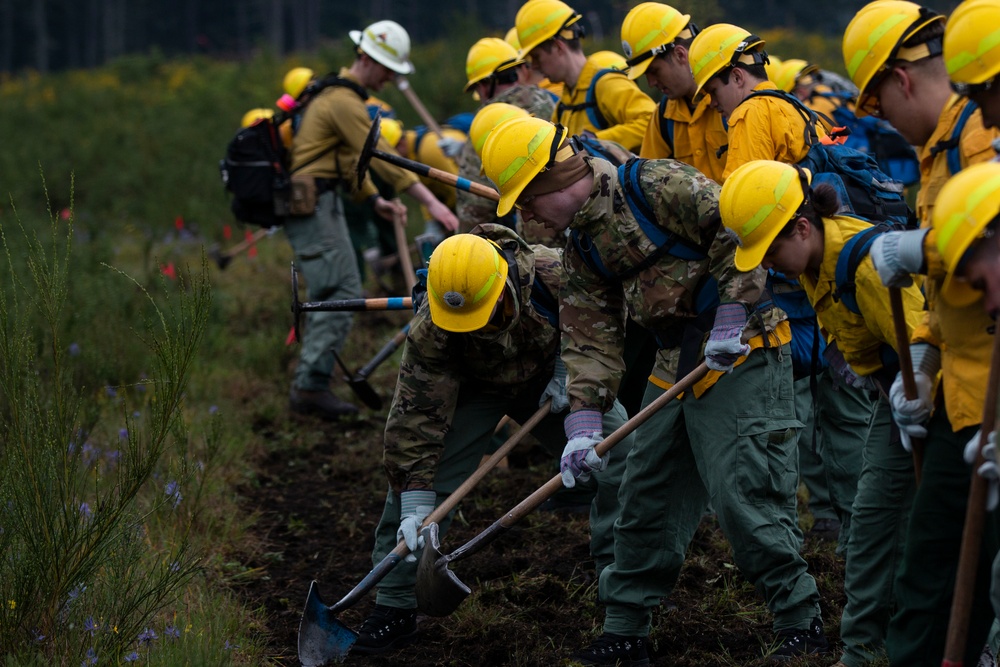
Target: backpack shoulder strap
810, 117
333, 80
666, 124
850, 257
953, 143
589, 103
594, 148
544, 301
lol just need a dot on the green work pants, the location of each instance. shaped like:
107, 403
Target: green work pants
325, 258
476, 415
844, 417
926, 578
736, 447
878, 532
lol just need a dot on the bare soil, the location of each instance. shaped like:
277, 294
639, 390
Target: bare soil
318, 494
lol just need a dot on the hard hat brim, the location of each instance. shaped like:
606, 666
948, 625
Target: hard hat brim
399, 68
958, 293
748, 259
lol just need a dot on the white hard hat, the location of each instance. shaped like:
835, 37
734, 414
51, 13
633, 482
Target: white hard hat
387, 43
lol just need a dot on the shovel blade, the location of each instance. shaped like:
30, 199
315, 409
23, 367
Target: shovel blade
439, 591
322, 638
365, 392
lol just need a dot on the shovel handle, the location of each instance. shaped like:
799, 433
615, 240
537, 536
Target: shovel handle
440, 512
906, 371
403, 249
972, 534
438, 175
403, 84
383, 354
543, 492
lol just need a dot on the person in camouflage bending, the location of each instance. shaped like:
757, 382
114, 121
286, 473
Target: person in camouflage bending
731, 441
484, 343
496, 74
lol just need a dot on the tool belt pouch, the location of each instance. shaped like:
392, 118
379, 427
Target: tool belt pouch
303, 195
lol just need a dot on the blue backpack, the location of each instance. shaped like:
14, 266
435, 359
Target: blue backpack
589, 104
667, 127
876, 137
864, 190
666, 242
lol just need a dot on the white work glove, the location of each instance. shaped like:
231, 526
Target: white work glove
584, 429
725, 345
556, 389
898, 254
911, 415
450, 146
414, 506
988, 470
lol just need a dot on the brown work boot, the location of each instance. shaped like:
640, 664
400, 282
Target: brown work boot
322, 404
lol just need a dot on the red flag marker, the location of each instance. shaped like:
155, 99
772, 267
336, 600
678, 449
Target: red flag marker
169, 270
290, 339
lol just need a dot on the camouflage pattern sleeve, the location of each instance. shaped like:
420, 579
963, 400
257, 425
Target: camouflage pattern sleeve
592, 320
423, 406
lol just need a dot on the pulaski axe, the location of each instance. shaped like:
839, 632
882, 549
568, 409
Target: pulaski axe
322, 637
369, 151
439, 590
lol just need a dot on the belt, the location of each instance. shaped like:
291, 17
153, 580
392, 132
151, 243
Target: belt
326, 185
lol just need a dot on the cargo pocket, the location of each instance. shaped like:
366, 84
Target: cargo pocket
766, 469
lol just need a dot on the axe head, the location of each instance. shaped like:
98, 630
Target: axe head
368, 149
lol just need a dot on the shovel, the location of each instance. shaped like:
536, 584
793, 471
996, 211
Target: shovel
972, 533
439, 590
906, 371
322, 637
222, 259
369, 151
382, 355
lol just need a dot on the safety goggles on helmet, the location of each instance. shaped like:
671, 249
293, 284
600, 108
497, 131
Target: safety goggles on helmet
687, 33
967, 89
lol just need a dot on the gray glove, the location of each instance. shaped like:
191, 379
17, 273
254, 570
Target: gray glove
911, 415
556, 389
414, 506
842, 370
988, 470
450, 146
898, 254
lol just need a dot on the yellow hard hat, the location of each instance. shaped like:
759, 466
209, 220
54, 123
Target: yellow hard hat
489, 56
379, 105
511, 38
790, 72
538, 21
972, 42
967, 203
609, 60
757, 201
488, 118
465, 277
720, 46
391, 130
296, 80
773, 67
874, 40
252, 116
648, 30
516, 151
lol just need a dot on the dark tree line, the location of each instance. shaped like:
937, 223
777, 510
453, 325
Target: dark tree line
51, 35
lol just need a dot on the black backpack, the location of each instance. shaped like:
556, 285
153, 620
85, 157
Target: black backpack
256, 168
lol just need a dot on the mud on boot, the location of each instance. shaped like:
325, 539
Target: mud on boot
385, 629
611, 649
794, 643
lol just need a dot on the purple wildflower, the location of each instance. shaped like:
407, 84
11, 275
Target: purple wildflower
172, 632
85, 511
122, 433
110, 391
90, 454
146, 636
91, 657
132, 657
173, 491
91, 626
213, 409
74, 349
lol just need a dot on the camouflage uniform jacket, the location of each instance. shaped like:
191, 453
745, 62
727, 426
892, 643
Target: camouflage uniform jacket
660, 297
471, 209
438, 365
